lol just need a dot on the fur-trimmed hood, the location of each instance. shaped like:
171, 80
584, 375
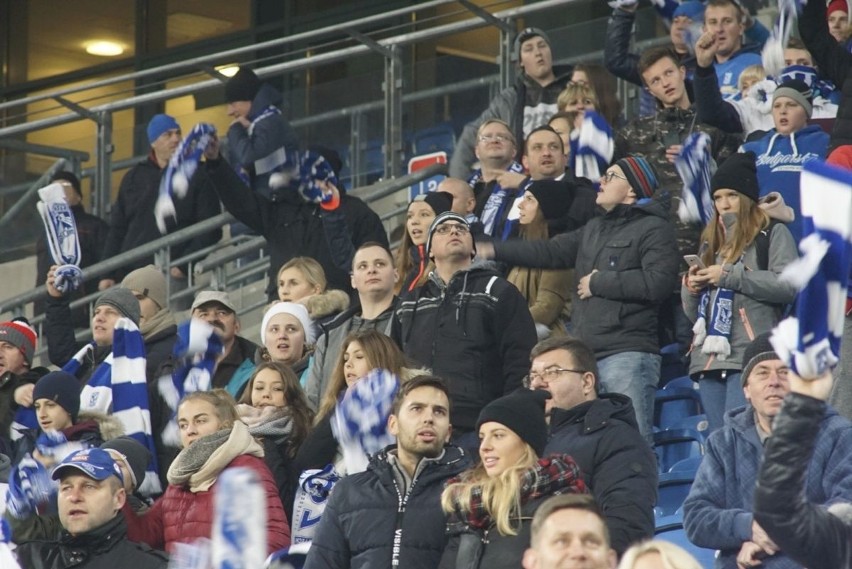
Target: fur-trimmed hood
109, 425
330, 302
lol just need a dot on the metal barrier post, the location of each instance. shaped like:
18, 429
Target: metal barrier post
393, 150
103, 172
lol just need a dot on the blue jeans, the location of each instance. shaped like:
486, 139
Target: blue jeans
719, 395
636, 375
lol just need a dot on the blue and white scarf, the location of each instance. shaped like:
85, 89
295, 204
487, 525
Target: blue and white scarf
809, 342
808, 75
182, 166
62, 239
595, 147
497, 201
30, 486
196, 351
773, 50
314, 168
238, 539
695, 167
119, 387
361, 418
715, 338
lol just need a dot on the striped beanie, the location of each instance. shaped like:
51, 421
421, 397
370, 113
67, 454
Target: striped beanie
640, 174
21, 335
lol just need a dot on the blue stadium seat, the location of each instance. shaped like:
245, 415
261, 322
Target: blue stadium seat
672, 364
696, 422
677, 400
672, 490
675, 445
687, 465
440, 137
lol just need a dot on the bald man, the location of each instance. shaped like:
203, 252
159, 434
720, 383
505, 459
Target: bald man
462, 192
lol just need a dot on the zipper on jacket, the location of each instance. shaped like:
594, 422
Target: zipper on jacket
396, 549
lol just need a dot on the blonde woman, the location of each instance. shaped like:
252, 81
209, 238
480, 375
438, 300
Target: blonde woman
302, 280
490, 507
657, 554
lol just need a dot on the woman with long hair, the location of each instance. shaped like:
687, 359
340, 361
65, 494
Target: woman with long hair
302, 280
657, 554
490, 507
287, 335
411, 261
276, 411
548, 291
603, 86
214, 440
361, 352
734, 293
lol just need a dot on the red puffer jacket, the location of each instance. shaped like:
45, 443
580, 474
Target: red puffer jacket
181, 516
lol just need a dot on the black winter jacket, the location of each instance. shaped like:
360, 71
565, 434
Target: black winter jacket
633, 250
106, 547
9, 382
132, 221
294, 227
617, 464
369, 522
475, 331
834, 62
804, 531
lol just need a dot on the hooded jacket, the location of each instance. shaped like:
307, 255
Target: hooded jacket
718, 510
759, 296
476, 331
372, 521
90, 430
510, 106
779, 164
633, 250
617, 464
270, 139
804, 530
105, 547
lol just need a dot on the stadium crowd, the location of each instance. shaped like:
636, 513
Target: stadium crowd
483, 396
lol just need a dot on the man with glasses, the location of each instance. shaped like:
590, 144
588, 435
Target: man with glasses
467, 324
600, 432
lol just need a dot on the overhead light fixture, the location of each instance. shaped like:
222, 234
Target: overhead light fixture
228, 70
104, 48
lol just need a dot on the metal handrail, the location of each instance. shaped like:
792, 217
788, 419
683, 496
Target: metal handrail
195, 62
290, 66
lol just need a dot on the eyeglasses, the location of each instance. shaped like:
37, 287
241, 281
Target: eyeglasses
447, 228
548, 375
613, 174
493, 137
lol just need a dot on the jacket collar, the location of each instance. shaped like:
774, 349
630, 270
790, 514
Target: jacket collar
100, 539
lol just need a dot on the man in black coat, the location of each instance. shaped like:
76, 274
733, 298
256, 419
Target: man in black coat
391, 514
600, 433
91, 495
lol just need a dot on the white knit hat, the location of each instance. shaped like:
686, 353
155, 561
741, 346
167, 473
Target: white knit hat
293, 309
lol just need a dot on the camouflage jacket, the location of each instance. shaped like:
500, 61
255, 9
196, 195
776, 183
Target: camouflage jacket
650, 136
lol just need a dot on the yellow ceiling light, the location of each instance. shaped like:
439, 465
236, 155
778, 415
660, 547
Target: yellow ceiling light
104, 48
228, 70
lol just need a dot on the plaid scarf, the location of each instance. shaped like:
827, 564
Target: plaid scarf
62, 239
809, 342
554, 474
182, 166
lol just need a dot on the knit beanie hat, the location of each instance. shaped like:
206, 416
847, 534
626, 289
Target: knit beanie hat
521, 411
148, 281
61, 387
447, 216
438, 201
524, 35
758, 351
841, 157
836, 6
160, 124
243, 86
122, 300
640, 174
797, 90
20, 334
293, 309
552, 196
134, 454
692, 9
738, 172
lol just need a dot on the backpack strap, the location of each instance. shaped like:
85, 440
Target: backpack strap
761, 244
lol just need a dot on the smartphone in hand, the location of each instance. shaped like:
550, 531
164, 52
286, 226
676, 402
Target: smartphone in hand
694, 261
